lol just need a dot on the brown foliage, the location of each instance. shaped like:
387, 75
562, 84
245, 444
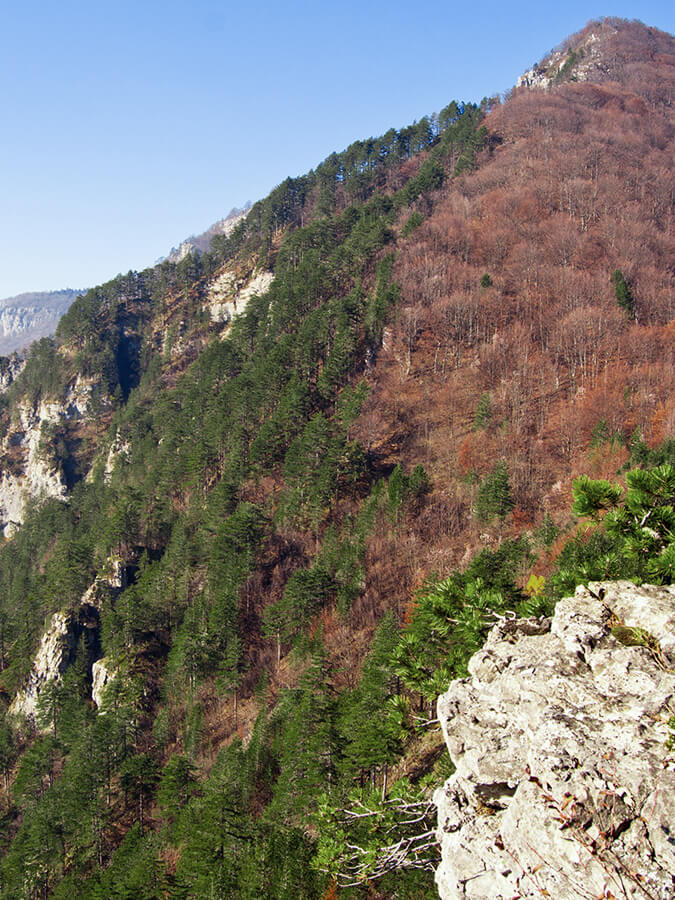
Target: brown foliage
577, 182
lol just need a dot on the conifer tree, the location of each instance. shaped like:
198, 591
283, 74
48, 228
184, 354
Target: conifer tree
623, 294
494, 494
371, 736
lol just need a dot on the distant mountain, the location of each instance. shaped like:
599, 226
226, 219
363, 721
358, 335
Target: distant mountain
28, 317
202, 242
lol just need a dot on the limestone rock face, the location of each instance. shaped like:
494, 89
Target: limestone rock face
58, 646
10, 368
119, 450
228, 297
57, 649
595, 59
200, 243
38, 477
564, 787
101, 676
28, 317
33, 474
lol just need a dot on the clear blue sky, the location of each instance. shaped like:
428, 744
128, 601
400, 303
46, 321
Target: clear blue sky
128, 126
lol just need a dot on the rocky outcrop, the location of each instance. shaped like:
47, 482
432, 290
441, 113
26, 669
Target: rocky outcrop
10, 368
57, 649
59, 643
564, 784
586, 59
200, 243
101, 676
33, 474
229, 296
119, 450
38, 481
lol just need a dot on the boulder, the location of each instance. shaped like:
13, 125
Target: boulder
565, 784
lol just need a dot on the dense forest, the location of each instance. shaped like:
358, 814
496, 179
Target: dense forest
284, 529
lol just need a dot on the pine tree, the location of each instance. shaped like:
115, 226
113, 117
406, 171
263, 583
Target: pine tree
308, 744
138, 777
483, 412
371, 736
494, 494
176, 784
623, 294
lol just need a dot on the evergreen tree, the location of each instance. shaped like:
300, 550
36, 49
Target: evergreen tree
372, 737
308, 744
483, 412
640, 524
623, 294
8, 751
138, 777
494, 494
176, 785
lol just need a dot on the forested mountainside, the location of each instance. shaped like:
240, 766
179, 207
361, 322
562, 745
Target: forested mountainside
261, 505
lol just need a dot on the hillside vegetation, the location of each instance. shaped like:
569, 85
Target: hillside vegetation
293, 513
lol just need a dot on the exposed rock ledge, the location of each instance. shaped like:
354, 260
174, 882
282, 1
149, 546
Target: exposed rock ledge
229, 297
59, 643
101, 676
564, 787
37, 477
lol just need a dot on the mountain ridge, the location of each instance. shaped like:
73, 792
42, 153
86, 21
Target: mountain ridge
201, 243
320, 457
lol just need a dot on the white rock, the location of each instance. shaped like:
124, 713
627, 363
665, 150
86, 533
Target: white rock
227, 297
563, 786
119, 450
199, 243
51, 661
101, 677
38, 478
14, 367
59, 642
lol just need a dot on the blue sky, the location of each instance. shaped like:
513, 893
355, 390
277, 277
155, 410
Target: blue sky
128, 126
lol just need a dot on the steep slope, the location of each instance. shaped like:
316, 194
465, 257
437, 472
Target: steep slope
391, 367
511, 343
610, 50
225, 468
